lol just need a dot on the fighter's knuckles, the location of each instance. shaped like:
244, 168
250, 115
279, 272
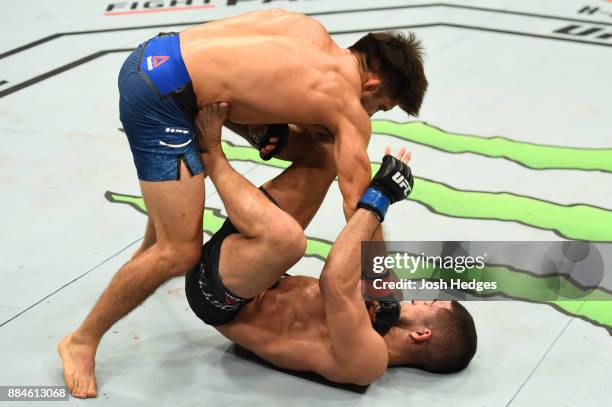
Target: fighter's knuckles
395, 177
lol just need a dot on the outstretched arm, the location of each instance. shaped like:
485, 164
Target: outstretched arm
340, 282
353, 163
360, 353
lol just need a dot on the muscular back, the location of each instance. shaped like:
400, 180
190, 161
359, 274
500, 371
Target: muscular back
286, 326
271, 66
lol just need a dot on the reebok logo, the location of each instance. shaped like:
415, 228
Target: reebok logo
155, 61
402, 182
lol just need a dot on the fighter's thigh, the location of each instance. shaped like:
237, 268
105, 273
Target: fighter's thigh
300, 189
247, 267
176, 208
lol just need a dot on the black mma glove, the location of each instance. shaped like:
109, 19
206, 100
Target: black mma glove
393, 182
262, 139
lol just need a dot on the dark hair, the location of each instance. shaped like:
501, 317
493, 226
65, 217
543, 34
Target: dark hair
398, 59
453, 342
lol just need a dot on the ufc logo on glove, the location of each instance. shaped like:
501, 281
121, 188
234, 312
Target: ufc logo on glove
402, 182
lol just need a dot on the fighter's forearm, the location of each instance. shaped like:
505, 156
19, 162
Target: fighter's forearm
378, 234
354, 172
353, 184
378, 250
342, 268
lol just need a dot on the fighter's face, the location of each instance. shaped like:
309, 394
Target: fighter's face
419, 312
373, 103
373, 95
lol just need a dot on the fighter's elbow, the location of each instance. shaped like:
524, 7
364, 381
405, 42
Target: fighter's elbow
361, 376
367, 379
366, 374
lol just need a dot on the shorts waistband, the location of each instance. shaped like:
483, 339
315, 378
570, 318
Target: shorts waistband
161, 64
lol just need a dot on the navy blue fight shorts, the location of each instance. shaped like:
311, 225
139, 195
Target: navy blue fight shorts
157, 107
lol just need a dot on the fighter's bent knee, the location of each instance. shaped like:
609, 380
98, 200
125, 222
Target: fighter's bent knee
288, 237
179, 259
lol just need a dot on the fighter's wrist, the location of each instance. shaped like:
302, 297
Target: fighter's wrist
212, 150
376, 201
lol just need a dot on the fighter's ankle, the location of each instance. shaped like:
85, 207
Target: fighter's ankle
81, 337
214, 159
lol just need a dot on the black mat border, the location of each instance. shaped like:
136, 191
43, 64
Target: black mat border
98, 54
322, 13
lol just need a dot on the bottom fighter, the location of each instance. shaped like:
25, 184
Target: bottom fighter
303, 323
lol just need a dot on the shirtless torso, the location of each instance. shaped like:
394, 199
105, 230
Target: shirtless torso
286, 326
288, 60
281, 67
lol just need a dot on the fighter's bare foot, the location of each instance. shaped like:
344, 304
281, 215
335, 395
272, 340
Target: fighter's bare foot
78, 360
209, 122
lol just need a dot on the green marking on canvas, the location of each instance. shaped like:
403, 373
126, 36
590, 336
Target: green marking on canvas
535, 156
578, 222
213, 221
593, 306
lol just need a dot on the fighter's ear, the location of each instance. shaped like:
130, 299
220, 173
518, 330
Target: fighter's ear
420, 335
372, 83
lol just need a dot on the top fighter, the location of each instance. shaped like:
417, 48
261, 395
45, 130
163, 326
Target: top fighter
303, 323
272, 67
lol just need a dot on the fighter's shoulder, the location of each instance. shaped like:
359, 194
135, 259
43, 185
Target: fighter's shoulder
277, 11
294, 16
337, 85
344, 81
344, 111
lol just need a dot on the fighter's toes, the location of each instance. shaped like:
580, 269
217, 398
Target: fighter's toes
85, 387
222, 110
91, 391
268, 148
76, 391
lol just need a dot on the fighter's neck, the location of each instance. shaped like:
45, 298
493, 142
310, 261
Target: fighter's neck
361, 64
